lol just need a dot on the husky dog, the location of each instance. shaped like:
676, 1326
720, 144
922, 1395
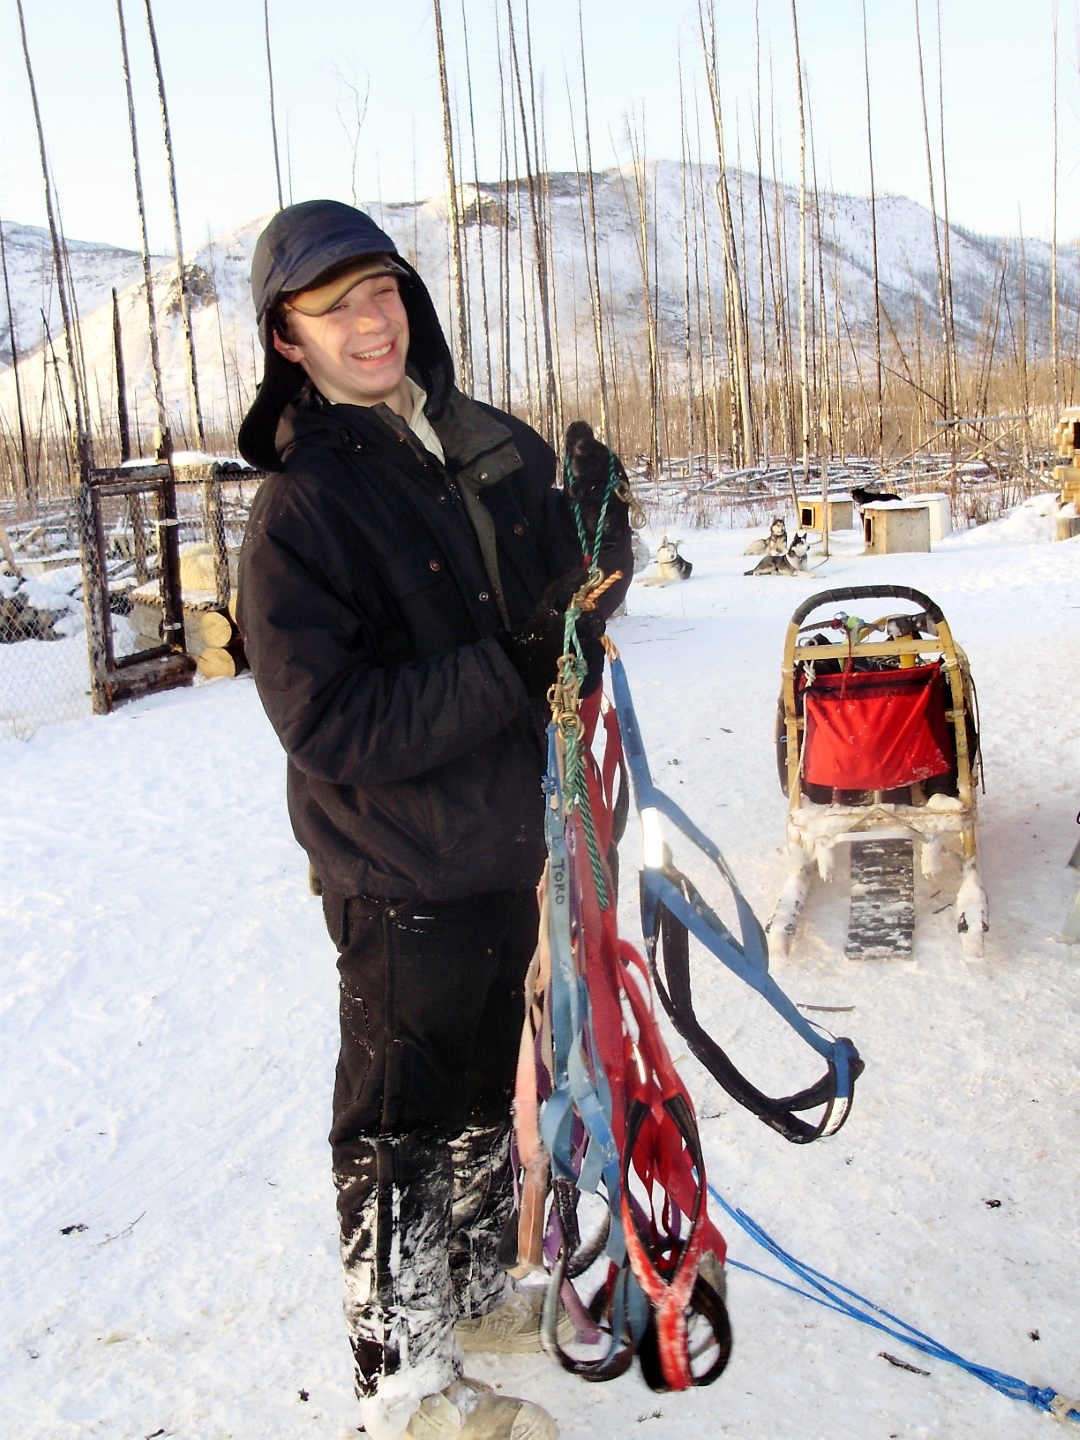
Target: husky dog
791, 562
670, 565
865, 495
776, 543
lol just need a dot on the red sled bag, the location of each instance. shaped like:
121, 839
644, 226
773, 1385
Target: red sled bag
876, 729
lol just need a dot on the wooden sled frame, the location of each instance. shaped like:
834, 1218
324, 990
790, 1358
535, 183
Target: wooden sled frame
816, 827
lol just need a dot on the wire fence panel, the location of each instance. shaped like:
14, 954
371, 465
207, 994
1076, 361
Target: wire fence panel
45, 669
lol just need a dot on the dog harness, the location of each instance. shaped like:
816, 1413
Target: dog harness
600, 1109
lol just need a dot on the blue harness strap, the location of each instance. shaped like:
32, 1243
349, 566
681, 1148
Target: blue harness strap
672, 910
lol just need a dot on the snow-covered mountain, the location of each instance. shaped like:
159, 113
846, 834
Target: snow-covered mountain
1001, 287
31, 282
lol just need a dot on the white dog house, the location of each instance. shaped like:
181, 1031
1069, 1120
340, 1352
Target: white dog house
940, 513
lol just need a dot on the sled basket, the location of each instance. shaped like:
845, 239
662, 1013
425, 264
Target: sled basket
877, 742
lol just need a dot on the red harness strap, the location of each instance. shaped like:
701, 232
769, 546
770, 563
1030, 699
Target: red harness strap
663, 1202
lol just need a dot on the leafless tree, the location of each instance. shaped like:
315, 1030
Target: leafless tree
82, 426
148, 276
462, 329
878, 398
13, 342
181, 272
273, 113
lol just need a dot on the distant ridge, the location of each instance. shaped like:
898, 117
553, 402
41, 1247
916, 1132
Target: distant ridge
999, 285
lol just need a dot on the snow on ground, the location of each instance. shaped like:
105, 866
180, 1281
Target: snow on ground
167, 1042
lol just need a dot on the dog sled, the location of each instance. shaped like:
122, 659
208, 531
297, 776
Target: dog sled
878, 751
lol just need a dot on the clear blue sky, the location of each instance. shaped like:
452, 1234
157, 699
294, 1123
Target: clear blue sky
996, 70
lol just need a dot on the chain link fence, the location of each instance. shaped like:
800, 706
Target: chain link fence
116, 585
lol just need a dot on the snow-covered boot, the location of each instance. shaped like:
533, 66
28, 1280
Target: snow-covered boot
471, 1410
512, 1328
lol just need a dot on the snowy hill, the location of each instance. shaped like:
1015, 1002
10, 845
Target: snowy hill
992, 279
31, 281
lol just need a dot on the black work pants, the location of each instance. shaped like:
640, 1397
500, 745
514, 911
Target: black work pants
431, 1008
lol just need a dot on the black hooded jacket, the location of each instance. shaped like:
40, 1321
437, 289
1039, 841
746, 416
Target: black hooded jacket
368, 613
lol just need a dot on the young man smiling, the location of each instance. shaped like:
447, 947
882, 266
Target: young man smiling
402, 586
352, 344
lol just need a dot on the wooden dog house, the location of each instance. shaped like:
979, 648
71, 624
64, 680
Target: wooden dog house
811, 511
891, 526
1067, 440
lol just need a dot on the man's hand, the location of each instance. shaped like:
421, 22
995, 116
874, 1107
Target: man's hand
535, 647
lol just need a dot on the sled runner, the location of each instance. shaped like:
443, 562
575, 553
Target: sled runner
877, 749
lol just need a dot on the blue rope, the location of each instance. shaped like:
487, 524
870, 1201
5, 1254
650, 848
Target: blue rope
834, 1296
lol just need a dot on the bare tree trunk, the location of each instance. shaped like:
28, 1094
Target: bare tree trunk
121, 384
879, 416
273, 115
221, 336
652, 343
739, 360
779, 274
689, 248
24, 451
504, 242
713, 412
592, 247
539, 244
822, 436
479, 209
148, 277
762, 224
804, 381
463, 331
1055, 337
82, 428
947, 405
952, 369
181, 273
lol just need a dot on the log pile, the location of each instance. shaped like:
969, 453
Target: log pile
210, 633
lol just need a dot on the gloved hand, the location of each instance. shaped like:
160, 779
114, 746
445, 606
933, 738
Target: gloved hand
535, 646
588, 464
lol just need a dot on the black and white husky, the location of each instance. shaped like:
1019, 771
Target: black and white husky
775, 543
791, 562
670, 565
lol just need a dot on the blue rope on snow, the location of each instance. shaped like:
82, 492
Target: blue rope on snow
834, 1296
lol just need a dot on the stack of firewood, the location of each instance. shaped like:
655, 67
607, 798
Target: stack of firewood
210, 632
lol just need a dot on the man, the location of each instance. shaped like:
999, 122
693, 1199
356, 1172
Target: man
402, 588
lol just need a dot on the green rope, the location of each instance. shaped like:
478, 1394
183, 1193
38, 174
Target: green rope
575, 788
609, 490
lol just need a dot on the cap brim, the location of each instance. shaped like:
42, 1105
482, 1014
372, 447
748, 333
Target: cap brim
317, 299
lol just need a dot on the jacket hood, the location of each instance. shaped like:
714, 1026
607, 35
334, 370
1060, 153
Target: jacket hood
300, 244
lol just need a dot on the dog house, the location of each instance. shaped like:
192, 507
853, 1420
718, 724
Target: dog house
1067, 440
891, 527
811, 511
940, 513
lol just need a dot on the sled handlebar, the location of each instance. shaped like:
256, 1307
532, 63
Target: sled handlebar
865, 592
